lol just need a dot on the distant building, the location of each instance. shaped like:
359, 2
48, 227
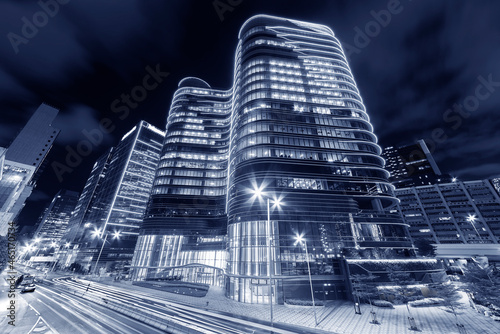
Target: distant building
55, 221
114, 200
20, 164
412, 165
452, 213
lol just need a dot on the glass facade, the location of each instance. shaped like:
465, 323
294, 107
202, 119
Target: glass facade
301, 135
185, 222
55, 221
15, 188
119, 201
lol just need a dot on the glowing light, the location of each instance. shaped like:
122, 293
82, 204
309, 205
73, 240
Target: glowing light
96, 232
471, 218
67, 245
116, 235
299, 239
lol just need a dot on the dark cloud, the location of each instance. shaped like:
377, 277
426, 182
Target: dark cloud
426, 59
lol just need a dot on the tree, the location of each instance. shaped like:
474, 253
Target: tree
483, 283
401, 281
424, 247
364, 289
448, 292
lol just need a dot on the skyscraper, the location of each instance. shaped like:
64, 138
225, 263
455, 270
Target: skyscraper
21, 163
88, 206
185, 222
55, 221
35, 140
412, 165
120, 199
301, 135
303, 165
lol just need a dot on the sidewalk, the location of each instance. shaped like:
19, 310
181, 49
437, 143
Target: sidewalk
338, 316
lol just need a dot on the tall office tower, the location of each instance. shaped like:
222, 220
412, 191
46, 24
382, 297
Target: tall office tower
89, 205
412, 165
183, 233
120, 199
35, 140
301, 136
55, 221
22, 161
458, 212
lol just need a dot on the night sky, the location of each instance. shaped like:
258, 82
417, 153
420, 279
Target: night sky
423, 70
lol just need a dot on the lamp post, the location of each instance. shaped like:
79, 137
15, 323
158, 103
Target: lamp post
472, 219
277, 202
299, 239
97, 233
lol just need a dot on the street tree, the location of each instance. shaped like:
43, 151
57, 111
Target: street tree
402, 281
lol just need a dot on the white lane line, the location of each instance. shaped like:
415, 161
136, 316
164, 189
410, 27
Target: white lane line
100, 316
36, 323
70, 311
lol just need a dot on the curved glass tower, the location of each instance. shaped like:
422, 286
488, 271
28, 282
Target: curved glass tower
301, 137
185, 222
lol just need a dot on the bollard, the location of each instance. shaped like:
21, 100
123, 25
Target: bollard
413, 324
374, 318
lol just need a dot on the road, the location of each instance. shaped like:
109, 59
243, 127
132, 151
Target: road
66, 313
69, 305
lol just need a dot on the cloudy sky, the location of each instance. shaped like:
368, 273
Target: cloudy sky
426, 69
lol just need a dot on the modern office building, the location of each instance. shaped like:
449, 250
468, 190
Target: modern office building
412, 165
35, 140
300, 137
109, 212
21, 162
452, 213
55, 221
183, 233
89, 205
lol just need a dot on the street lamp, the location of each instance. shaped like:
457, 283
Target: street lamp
259, 193
97, 233
472, 219
299, 239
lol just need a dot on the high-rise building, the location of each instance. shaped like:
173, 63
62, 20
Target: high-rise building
115, 205
452, 213
303, 168
35, 140
88, 206
21, 163
186, 222
412, 165
55, 220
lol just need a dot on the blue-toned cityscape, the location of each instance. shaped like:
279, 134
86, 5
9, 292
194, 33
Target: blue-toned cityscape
268, 206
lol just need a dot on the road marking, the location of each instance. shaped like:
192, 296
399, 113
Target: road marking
100, 316
64, 317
